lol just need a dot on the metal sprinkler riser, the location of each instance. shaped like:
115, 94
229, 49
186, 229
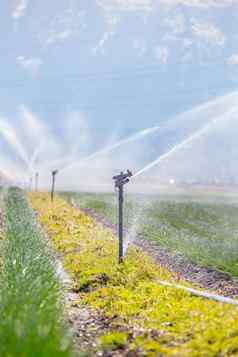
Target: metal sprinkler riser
54, 173
120, 181
36, 181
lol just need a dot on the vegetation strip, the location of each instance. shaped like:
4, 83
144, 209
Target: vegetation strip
171, 322
195, 292
102, 207
203, 232
30, 298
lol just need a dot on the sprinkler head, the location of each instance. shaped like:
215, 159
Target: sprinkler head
54, 173
36, 181
122, 179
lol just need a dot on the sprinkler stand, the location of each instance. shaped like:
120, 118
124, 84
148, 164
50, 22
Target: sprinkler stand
36, 181
30, 184
54, 173
120, 181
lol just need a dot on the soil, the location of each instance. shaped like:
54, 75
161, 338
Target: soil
87, 325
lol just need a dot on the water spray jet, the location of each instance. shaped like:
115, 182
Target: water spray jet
30, 183
36, 181
54, 173
187, 141
109, 149
121, 180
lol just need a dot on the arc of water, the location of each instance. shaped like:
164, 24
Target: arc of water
185, 142
222, 102
8, 132
169, 124
70, 160
10, 170
58, 163
109, 149
35, 155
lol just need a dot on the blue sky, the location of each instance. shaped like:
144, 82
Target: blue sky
124, 65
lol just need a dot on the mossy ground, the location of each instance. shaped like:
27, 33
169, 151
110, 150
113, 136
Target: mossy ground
174, 322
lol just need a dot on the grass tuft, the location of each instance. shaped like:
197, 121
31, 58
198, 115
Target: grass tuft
113, 341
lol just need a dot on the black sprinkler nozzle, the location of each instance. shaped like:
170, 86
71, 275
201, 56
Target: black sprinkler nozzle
122, 179
54, 173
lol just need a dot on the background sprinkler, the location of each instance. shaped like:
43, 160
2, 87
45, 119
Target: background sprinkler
120, 181
30, 183
36, 181
54, 173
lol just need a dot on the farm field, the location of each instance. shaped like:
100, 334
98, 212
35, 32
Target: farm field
146, 318
119, 178
202, 229
141, 316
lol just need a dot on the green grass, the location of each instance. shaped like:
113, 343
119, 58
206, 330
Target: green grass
30, 295
203, 231
104, 204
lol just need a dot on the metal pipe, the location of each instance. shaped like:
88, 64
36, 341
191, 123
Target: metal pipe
54, 173
203, 294
30, 184
120, 181
36, 181
120, 223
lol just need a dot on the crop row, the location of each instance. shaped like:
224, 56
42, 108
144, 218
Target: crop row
30, 295
173, 322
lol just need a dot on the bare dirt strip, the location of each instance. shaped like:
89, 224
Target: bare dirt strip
207, 278
88, 325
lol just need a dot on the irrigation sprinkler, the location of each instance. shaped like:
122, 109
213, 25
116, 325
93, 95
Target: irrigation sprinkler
54, 173
30, 183
120, 181
36, 181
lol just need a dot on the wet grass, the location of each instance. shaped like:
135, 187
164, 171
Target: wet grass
104, 204
203, 231
207, 234
30, 298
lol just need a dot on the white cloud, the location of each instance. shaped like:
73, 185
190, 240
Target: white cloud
203, 4
19, 9
62, 27
31, 65
140, 46
209, 33
113, 10
176, 24
162, 54
100, 46
60, 36
233, 60
126, 5
112, 19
